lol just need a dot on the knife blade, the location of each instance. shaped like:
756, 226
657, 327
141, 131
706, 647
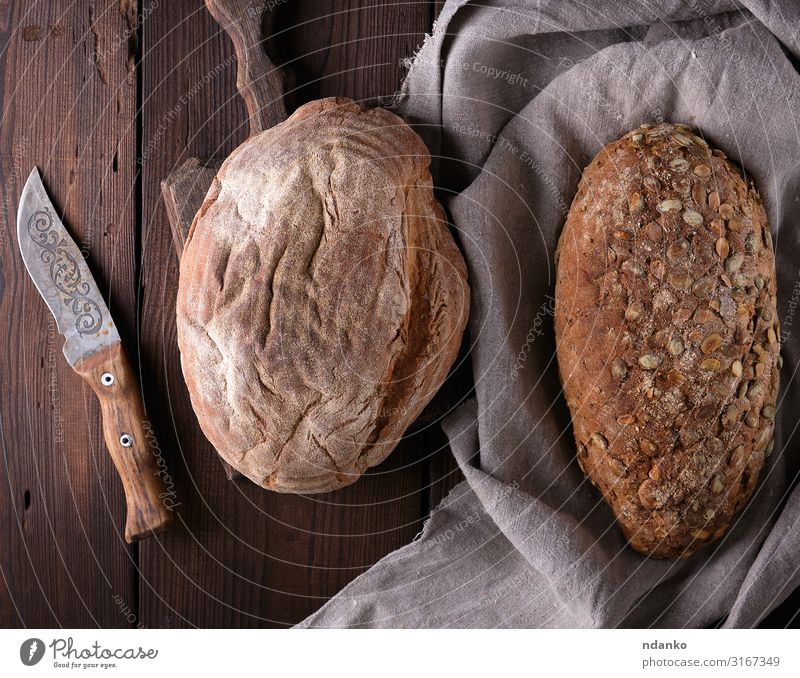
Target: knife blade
93, 348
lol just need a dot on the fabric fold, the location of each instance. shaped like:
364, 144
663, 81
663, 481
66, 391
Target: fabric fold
514, 99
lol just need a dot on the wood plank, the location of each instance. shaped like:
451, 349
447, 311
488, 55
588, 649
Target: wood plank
247, 557
348, 48
68, 106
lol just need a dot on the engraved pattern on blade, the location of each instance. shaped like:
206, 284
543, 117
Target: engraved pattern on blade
65, 273
61, 276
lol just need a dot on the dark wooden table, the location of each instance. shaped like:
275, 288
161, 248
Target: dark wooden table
108, 97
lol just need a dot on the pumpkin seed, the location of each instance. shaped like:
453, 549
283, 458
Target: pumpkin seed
648, 447
675, 347
699, 194
693, 217
632, 268
677, 249
703, 315
679, 164
711, 343
649, 361
657, 268
633, 311
653, 231
713, 200
675, 378
740, 280
720, 390
755, 390
681, 281
702, 171
725, 210
734, 263
723, 247
668, 205
635, 203
681, 185
599, 440
619, 370
651, 184
762, 438
710, 365
730, 416
704, 287
737, 457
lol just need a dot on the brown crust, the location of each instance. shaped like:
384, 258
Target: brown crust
667, 331
322, 298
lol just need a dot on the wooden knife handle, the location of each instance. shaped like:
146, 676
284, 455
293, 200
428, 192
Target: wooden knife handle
129, 439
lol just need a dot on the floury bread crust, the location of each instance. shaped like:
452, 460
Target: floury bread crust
667, 336
322, 299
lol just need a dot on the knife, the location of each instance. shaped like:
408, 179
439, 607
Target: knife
93, 349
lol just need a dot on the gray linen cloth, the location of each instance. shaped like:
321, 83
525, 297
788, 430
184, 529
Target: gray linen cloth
514, 99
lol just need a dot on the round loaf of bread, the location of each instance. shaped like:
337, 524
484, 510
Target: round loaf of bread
322, 299
667, 335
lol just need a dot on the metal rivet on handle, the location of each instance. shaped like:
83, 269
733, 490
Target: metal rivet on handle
126, 440
107, 379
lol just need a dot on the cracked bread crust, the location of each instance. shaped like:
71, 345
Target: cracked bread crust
667, 336
322, 298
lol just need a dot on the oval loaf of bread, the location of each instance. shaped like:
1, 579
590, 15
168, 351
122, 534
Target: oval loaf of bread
667, 336
322, 298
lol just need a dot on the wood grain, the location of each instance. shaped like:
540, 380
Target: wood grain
183, 191
130, 441
259, 83
68, 106
350, 48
